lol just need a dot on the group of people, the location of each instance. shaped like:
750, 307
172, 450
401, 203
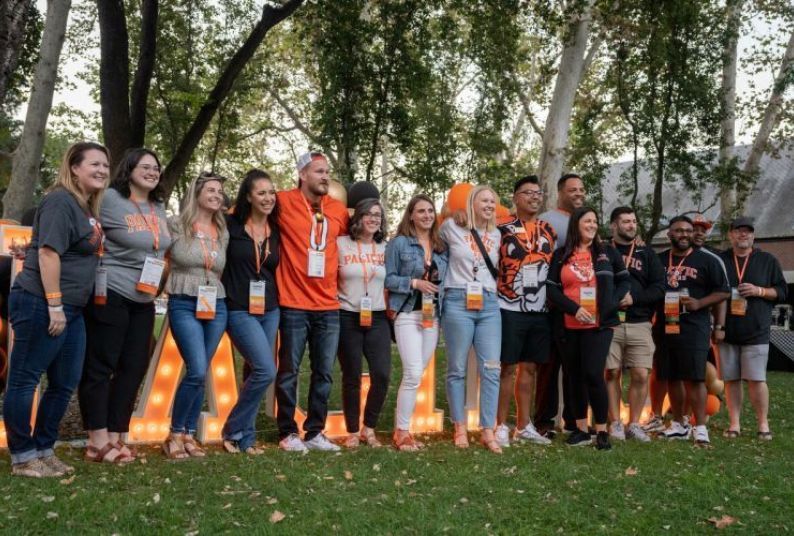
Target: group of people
530, 294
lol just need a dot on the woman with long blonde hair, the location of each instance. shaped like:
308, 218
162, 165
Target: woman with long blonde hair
46, 308
196, 306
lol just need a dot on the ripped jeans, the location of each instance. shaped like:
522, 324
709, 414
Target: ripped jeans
462, 330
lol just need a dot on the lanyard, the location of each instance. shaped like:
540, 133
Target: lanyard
630, 257
535, 242
97, 235
317, 241
153, 224
363, 262
677, 270
209, 255
740, 273
257, 251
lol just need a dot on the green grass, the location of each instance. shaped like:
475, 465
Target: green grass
529, 489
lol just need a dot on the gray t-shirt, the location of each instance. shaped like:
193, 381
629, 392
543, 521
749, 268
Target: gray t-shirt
63, 226
559, 221
464, 256
129, 240
351, 274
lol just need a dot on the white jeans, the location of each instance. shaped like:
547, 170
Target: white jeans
416, 346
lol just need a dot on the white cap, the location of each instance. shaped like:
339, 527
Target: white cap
306, 158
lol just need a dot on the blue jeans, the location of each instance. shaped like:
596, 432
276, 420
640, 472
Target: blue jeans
34, 353
321, 330
254, 336
462, 329
197, 341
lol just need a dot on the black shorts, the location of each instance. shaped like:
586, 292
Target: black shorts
686, 364
526, 337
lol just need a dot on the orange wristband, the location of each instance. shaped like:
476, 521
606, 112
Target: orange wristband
53, 295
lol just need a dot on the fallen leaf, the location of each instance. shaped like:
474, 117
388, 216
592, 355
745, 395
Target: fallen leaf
272, 500
143, 461
156, 498
631, 471
52, 515
47, 498
276, 516
463, 500
348, 475
67, 481
376, 467
281, 477
226, 506
724, 521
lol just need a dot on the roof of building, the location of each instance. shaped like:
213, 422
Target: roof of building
771, 203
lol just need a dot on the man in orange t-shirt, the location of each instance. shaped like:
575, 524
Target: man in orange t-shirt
309, 221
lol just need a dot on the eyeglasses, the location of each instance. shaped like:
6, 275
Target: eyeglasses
373, 216
147, 168
531, 193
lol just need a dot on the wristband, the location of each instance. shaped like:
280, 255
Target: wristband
719, 327
413, 284
55, 308
761, 292
53, 295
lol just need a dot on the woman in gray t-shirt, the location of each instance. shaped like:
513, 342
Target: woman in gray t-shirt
119, 327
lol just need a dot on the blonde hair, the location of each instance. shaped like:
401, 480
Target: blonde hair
490, 225
189, 212
74, 156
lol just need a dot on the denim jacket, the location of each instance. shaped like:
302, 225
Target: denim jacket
405, 260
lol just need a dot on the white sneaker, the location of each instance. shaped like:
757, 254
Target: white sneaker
677, 431
529, 433
655, 425
635, 431
292, 443
320, 442
616, 431
502, 435
702, 436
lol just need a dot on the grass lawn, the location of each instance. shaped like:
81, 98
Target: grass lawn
656, 488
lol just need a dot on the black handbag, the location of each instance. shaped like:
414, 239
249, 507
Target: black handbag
485, 256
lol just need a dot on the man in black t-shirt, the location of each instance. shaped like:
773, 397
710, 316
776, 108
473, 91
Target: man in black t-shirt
695, 281
757, 283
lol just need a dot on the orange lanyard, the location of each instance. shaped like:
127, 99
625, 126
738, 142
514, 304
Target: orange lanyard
631, 254
364, 262
536, 237
317, 238
98, 235
265, 242
212, 253
153, 224
740, 273
680, 264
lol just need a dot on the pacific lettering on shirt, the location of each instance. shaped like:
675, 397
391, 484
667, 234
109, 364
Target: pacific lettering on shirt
682, 274
635, 264
369, 258
137, 223
486, 241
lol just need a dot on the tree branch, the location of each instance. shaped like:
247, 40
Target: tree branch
143, 73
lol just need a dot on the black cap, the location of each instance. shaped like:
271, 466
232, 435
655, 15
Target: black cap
743, 221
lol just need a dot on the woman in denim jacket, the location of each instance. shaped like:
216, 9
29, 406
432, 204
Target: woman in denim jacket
416, 261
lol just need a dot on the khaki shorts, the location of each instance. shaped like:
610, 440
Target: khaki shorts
632, 346
743, 362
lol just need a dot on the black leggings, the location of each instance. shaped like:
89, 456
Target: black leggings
585, 355
374, 343
118, 349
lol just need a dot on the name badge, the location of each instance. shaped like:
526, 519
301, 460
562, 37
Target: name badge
587, 300
256, 297
316, 263
529, 275
622, 316
428, 311
474, 296
151, 275
101, 286
206, 302
738, 303
365, 315
672, 303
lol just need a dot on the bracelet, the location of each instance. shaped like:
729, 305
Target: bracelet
55, 308
761, 292
413, 283
53, 295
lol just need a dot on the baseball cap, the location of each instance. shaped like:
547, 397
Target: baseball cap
700, 219
743, 221
306, 158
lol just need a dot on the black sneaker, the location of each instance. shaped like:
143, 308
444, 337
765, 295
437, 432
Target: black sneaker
602, 441
577, 438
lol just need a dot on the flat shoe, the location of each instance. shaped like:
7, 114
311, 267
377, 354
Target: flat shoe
731, 434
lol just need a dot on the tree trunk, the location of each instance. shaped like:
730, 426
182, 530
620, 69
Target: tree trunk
782, 81
558, 121
728, 108
12, 38
271, 16
27, 157
384, 180
143, 73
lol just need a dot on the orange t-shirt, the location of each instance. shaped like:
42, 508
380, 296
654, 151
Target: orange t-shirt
577, 273
295, 288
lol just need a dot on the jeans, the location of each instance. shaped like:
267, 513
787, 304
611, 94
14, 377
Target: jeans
254, 336
35, 352
416, 346
118, 349
374, 344
321, 330
197, 341
462, 329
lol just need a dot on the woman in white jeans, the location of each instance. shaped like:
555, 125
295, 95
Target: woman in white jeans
416, 261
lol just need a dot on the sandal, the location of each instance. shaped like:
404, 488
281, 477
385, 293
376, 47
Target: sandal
192, 448
764, 436
461, 437
352, 441
173, 449
231, 446
731, 434
488, 439
254, 451
368, 437
93, 454
133, 452
406, 443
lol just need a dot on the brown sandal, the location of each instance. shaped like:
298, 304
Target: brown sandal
488, 439
93, 454
192, 448
406, 443
369, 438
461, 437
173, 449
133, 452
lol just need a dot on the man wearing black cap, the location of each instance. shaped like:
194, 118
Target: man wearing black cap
757, 283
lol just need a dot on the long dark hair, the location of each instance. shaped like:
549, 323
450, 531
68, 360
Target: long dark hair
242, 206
574, 236
123, 175
356, 224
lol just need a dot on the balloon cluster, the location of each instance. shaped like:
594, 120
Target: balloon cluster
457, 197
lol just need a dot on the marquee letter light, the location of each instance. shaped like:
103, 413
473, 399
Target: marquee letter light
472, 400
152, 418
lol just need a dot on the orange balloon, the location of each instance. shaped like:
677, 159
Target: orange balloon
712, 405
716, 387
458, 195
337, 190
502, 214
